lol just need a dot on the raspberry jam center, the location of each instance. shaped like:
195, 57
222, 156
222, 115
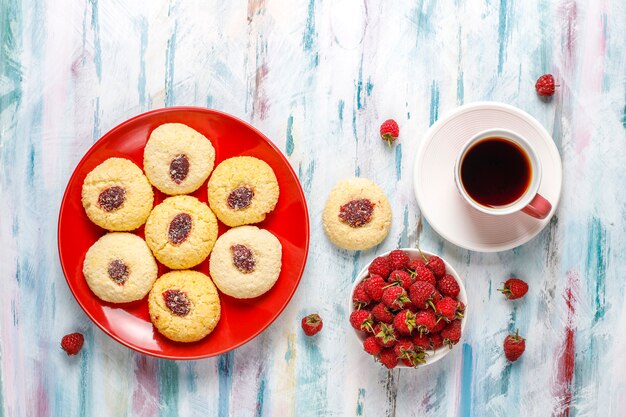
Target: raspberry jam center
112, 198
243, 259
179, 168
356, 213
118, 271
240, 198
177, 302
179, 229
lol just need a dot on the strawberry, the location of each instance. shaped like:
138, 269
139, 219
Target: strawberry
421, 342
514, 346
424, 294
381, 313
404, 322
545, 85
389, 131
360, 297
514, 288
72, 343
398, 259
448, 308
374, 287
401, 278
362, 320
385, 334
380, 266
371, 346
451, 334
436, 265
436, 341
424, 274
425, 320
448, 286
395, 297
312, 324
414, 263
388, 358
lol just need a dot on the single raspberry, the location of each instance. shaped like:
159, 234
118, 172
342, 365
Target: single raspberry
436, 341
404, 322
360, 297
388, 358
451, 334
395, 297
421, 342
436, 265
439, 326
380, 266
385, 334
545, 85
72, 343
374, 287
312, 324
514, 346
425, 320
362, 320
398, 259
381, 313
424, 295
414, 359
371, 346
448, 286
401, 278
424, 274
448, 308
414, 264
404, 348
389, 131
514, 288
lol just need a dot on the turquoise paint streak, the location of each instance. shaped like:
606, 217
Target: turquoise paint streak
434, 102
359, 402
143, 46
465, 402
306, 176
85, 378
289, 144
312, 380
355, 264
97, 46
340, 106
503, 29
398, 161
260, 397
308, 39
225, 382
10, 67
595, 266
168, 388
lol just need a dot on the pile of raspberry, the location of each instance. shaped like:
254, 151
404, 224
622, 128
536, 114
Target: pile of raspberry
407, 308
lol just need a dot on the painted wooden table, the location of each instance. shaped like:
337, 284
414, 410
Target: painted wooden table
318, 77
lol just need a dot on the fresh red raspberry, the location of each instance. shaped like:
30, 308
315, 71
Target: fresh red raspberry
545, 86
451, 334
400, 278
72, 343
388, 358
362, 320
424, 295
398, 259
374, 287
371, 346
414, 264
424, 274
385, 335
381, 313
360, 297
312, 324
436, 341
421, 342
436, 265
404, 322
448, 287
395, 298
389, 131
380, 266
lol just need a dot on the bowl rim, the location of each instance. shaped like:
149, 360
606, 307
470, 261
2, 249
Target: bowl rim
414, 253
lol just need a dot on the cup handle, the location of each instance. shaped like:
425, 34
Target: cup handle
538, 208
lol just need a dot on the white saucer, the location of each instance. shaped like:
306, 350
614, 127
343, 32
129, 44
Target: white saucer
442, 205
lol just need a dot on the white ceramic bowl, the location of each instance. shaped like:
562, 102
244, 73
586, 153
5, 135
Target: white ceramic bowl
430, 356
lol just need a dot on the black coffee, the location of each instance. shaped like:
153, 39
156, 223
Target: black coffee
495, 172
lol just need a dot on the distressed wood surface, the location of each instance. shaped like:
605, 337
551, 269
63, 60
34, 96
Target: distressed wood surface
318, 77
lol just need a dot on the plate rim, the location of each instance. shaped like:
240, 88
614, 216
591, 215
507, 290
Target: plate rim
89, 153
486, 105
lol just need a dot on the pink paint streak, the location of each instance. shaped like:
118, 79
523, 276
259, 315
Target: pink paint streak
260, 103
146, 392
566, 356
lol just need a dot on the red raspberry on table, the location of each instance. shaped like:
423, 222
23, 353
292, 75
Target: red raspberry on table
436, 341
425, 320
421, 342
451, 334
72, 343
385, 334
362, 320
448, 308
401, 278
389, 131
424, 274
436, 265
448, 286
545, 85
360, 297
514, 288
398, 259
395, 297
371, 346
514, 346
374, 287
312, 324
424, 295
388, 358
382, 313
380, 266
404, 322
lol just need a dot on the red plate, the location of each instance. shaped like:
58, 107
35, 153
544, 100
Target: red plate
241, 320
